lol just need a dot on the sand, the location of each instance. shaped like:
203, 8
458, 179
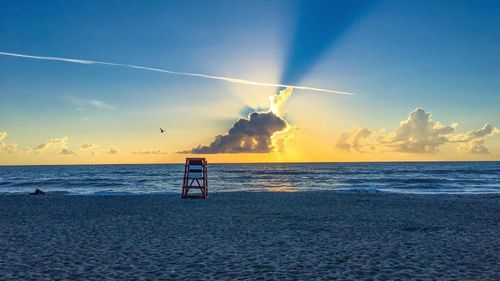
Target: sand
240, 236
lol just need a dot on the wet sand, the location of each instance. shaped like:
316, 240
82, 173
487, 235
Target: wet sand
233, 236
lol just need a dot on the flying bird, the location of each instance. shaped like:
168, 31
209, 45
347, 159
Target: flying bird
162, 131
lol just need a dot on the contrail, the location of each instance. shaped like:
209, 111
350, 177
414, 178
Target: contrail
223, 78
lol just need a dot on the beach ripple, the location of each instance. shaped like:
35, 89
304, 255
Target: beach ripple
250, 236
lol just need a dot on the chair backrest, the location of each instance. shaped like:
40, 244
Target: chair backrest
196, 161
195, 167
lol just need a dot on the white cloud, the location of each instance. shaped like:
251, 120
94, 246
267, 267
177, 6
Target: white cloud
473, 141
60, 146
354, 139
83, 104
159, 151
280, 139
7, 147
277, 102
101, 105
417, 134
52, 144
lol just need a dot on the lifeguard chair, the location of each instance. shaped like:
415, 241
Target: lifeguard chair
195, 177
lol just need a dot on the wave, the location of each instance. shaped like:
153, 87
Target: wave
462, 177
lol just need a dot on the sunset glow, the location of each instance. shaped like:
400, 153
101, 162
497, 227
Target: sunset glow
373, 83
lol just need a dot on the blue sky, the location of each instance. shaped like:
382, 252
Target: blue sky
442, 56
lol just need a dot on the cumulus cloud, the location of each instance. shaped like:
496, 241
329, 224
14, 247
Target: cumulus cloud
280, 139
256, 134
7, 147
417, 134
354, 139
52, 144
252, 135
277, 102
59, 146
473, 141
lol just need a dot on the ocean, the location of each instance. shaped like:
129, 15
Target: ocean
397, 177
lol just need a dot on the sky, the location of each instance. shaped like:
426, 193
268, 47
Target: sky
424, 77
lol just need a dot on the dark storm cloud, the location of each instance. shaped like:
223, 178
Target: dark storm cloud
252, 135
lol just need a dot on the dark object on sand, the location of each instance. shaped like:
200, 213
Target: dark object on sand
38, 192
162, 131
195, 177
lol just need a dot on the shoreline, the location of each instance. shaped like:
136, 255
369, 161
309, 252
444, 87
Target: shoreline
51, 193
246, 235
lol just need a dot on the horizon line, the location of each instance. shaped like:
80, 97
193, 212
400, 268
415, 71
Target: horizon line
237, 163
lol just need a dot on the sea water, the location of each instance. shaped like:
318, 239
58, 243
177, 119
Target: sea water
411, 177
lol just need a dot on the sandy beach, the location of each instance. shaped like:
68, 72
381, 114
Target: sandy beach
237, 236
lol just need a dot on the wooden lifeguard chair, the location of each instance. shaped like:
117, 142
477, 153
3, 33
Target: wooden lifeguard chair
195, 177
